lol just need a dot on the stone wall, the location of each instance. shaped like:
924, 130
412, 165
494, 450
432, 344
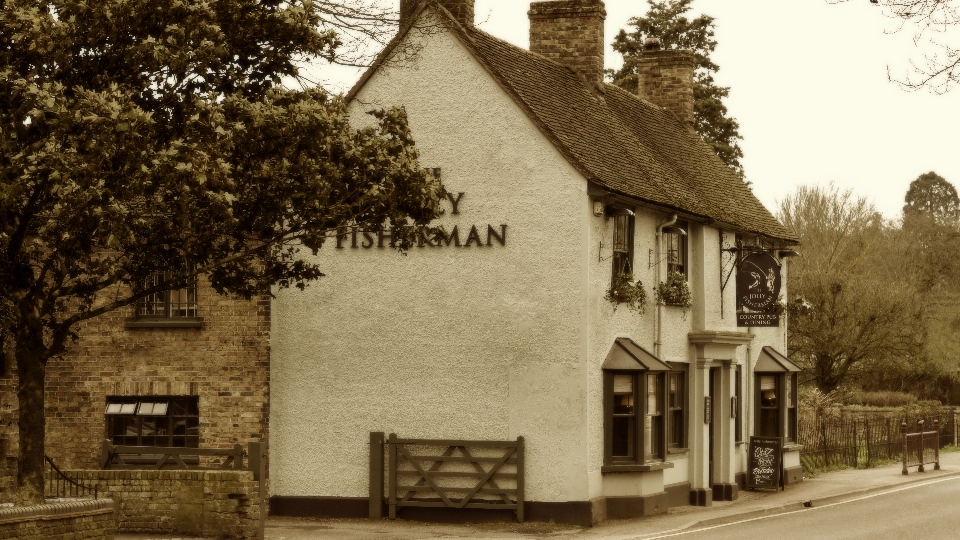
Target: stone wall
73, 520
221, 504
225, 362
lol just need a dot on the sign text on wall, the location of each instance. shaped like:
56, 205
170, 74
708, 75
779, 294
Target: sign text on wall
356, 238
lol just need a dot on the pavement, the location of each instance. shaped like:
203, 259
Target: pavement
820, 490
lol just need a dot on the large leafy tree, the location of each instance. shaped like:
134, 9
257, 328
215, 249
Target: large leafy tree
668, 21
140, 136
864, 317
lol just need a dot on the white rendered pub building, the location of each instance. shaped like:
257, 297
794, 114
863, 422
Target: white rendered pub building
557, 184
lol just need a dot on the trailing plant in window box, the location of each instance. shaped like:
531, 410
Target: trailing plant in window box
674, 291
625, 291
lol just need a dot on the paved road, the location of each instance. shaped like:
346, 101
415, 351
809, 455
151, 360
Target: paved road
929, 510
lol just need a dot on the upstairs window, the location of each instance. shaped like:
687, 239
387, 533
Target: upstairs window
175, 307
167, 304
675, 246
622, 245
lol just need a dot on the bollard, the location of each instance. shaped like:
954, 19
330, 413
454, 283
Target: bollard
936, 447
903, 437
920, 445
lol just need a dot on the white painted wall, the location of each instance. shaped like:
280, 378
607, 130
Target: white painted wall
473, 343
484, 342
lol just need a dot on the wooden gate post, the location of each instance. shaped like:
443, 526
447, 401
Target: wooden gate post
106, 448
376, 475
392, 475
903, 437
520, 477
257, 463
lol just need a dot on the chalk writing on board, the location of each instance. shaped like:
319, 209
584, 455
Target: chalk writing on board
765, 462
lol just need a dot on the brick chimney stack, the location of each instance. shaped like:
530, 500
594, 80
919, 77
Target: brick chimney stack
665, 78
462, 10
570, 32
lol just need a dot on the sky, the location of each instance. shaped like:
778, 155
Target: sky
810, 89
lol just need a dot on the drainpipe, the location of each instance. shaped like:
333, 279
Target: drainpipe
659, 326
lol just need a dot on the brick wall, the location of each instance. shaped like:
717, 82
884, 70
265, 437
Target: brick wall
225, 363
665, 78
221, 504
571, 33
74, 520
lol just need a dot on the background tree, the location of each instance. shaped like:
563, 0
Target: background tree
933, 23
667, 21
145, 136
862, 321
931, 198
931, 256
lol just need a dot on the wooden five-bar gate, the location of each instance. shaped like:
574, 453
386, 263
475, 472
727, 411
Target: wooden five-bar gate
444, 473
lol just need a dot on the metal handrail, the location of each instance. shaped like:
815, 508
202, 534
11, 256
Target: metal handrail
83, 488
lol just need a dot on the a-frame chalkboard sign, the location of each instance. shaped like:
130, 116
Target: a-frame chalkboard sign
765, 463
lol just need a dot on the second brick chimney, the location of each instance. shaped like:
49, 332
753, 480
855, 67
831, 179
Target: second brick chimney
570, 32
462, 10
665, 78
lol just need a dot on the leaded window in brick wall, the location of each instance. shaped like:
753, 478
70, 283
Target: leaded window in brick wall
172, 421
172, 303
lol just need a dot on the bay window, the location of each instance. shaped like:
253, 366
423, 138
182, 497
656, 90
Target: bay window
634, 409
776, 395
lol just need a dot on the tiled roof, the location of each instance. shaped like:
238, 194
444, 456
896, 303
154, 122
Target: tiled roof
617, 140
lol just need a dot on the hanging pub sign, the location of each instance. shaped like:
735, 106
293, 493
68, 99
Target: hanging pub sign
758, 290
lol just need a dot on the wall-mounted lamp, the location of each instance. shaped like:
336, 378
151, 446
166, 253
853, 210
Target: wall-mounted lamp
618, 211
788, 253
673, 229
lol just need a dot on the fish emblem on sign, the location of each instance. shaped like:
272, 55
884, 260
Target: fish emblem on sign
758, 281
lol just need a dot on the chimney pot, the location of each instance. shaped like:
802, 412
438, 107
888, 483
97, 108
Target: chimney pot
651, 43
